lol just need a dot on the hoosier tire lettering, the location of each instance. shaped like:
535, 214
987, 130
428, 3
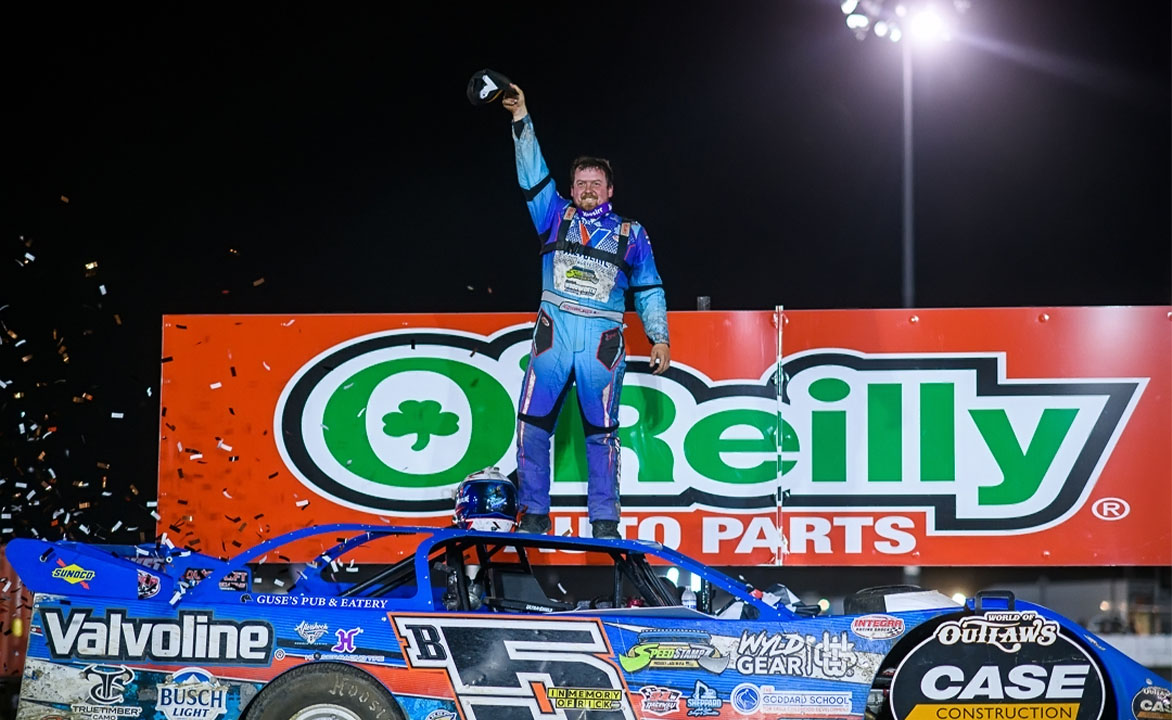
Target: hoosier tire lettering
330, 688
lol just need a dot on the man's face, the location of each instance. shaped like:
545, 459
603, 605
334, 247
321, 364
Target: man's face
590, 189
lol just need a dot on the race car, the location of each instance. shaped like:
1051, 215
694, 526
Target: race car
463, 627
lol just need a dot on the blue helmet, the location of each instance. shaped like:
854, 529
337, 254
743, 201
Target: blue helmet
486, 500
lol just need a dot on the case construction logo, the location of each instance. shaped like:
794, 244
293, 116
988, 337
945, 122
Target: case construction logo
391, 423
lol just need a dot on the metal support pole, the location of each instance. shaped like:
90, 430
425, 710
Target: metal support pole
909, 272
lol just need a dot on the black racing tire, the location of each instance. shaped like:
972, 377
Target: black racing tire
322, 690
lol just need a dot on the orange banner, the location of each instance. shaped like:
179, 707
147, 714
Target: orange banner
929, 437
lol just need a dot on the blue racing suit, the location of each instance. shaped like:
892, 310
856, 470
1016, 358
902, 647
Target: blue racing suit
589, 261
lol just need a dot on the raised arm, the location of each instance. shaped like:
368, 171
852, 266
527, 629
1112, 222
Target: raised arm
532, 173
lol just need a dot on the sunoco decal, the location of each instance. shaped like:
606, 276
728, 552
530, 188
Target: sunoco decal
195, 636
389, 423
877, 627
499, 668
999, 665
73, 574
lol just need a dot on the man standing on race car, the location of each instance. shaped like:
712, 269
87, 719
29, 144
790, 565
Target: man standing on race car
590, 257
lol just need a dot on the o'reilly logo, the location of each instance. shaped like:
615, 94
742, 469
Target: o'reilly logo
390, 423
947, 433
195, 636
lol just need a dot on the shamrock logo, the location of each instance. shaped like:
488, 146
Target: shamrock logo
423, 418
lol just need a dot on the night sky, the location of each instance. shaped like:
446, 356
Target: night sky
304, 159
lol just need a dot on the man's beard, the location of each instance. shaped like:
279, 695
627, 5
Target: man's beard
588, 201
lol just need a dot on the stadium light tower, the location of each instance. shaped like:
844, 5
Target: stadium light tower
905, 23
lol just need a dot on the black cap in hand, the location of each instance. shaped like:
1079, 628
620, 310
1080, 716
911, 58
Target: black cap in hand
485, 86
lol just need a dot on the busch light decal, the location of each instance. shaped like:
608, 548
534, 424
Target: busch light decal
192, 694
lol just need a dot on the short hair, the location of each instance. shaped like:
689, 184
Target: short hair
586, 162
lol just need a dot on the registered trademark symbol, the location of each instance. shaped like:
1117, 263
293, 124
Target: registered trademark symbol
1111, 509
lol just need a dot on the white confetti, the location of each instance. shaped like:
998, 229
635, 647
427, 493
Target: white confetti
221, 445
102, 289
152, 503
287, 324
216, 385
196, 456
116, 526
155, 515
226, 494
265, 364
116, 415
278, 582
302, 503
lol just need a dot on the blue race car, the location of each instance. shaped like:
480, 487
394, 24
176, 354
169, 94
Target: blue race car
462, 627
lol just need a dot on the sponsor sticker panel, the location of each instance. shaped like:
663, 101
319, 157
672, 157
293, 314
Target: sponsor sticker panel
509, 669
1000, 664
108, 691
888, 444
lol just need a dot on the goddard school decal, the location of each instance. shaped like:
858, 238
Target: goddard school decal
750, 699
1005, 665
